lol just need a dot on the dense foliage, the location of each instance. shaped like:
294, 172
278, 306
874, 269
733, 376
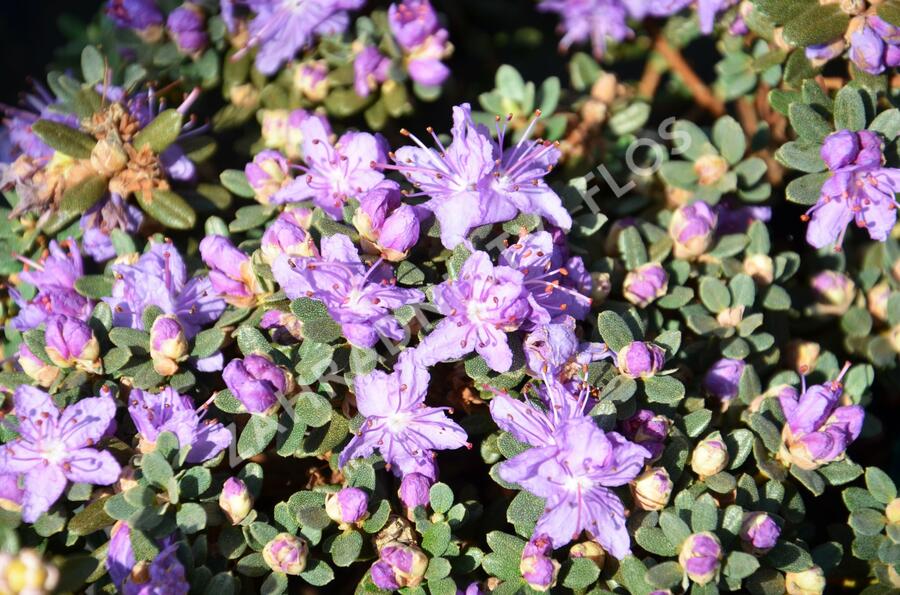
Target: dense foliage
571, 334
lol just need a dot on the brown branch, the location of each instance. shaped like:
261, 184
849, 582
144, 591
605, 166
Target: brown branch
649, 81
702, 94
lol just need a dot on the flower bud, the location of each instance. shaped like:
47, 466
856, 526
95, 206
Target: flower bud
723, 379
700, 557
187, 27
759, 532
142, 16
399, 233
639, 359
611, 245
730, 317
108, 157
268, 173
235, 500
71, 343
257, 383
385, 224
601, 286
399, 565
834, 292
27, 573
348, 506
645, 284
877, 301
710, 169
231, 272
808, 582
652, 489
168, 346
537, 566
415, 490
286, 236
11, 495
710, 457
802, 356
397, 528
691, 229
591, 550
37, 369
311, 79
286, 553
761, 268
649, 430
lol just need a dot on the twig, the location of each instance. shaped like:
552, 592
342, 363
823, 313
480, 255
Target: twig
702, 94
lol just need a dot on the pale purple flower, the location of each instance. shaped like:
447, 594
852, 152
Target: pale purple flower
691, 229
268, 173
18, 120
236, 501
554, 350
334, 173
282, 27
647, 429
98, 222
415, 490
645, 284
140, 15
597, 21
187, 27
358, 297
640, 359
480, 307
734, 217
559, 284
386, 225
231, 274
257, 382
54, 276
370, 69
424, 63
537, 565
574, 474
818, 430
120, 558
168, 411
411, 22
159, 278
860, 189
289, 235
399, 565
398, 423
347, 506
11, 493
708, 10
475, 181
723, 379
54, 447
166, 576
759, 532
71, 343
701, 555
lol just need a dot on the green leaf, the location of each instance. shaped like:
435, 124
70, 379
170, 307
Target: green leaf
251, 341
867, 521
632, 247
93, 67
317, 322
614, 331
168, 208
841, 472
130, 337
156, 469
161, 132
236, 182
208, 342
313, 409
695, 423
94, 286
714, 294
191, 518
704, 515
436, 538
740, 565
789, 557
663, 389
91, 519
810, 479
510, 83
579, 573
64, 139
82, 196
441, 497
818, 24
665, 575
849, 110
317, 573
655, 541
315, 358
880, 485
801, 155
729, 138
807, 189
890, 12
675, 529
346, 547
257, 435
809, 124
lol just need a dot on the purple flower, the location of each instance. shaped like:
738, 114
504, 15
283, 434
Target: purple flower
231, 273
411, 22
597, 21
860, 189
759, 532
168, 411
141, 15
723, 379
645, 284
311, 78
555, 351
707, 10
71, 343
701, 554
415, 490
120, 558
480, 307
54, 447
186, 25
559, 286
834, 292
11, 494
647, 429
236, 501
360, 299
574, 474
537, 565
98, 223
54, 276
267, 174
640, 359
168, 345
334, 173
286, 553
476, 181
399, 565
159, 278
347, 506
875, 45
424, 62
652, 489
398, 423
386, 225
165, 574
691, 229
257, 383
288, 235
281, 130
282, 27
734, 217
370, 69
18, 121
818, 431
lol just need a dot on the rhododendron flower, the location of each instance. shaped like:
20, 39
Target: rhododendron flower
54, 276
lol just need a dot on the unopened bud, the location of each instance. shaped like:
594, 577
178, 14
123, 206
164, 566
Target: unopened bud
347, 506
710, 457
652, 489
286, 553
168, 345
235, 500
808, 582
701, 555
